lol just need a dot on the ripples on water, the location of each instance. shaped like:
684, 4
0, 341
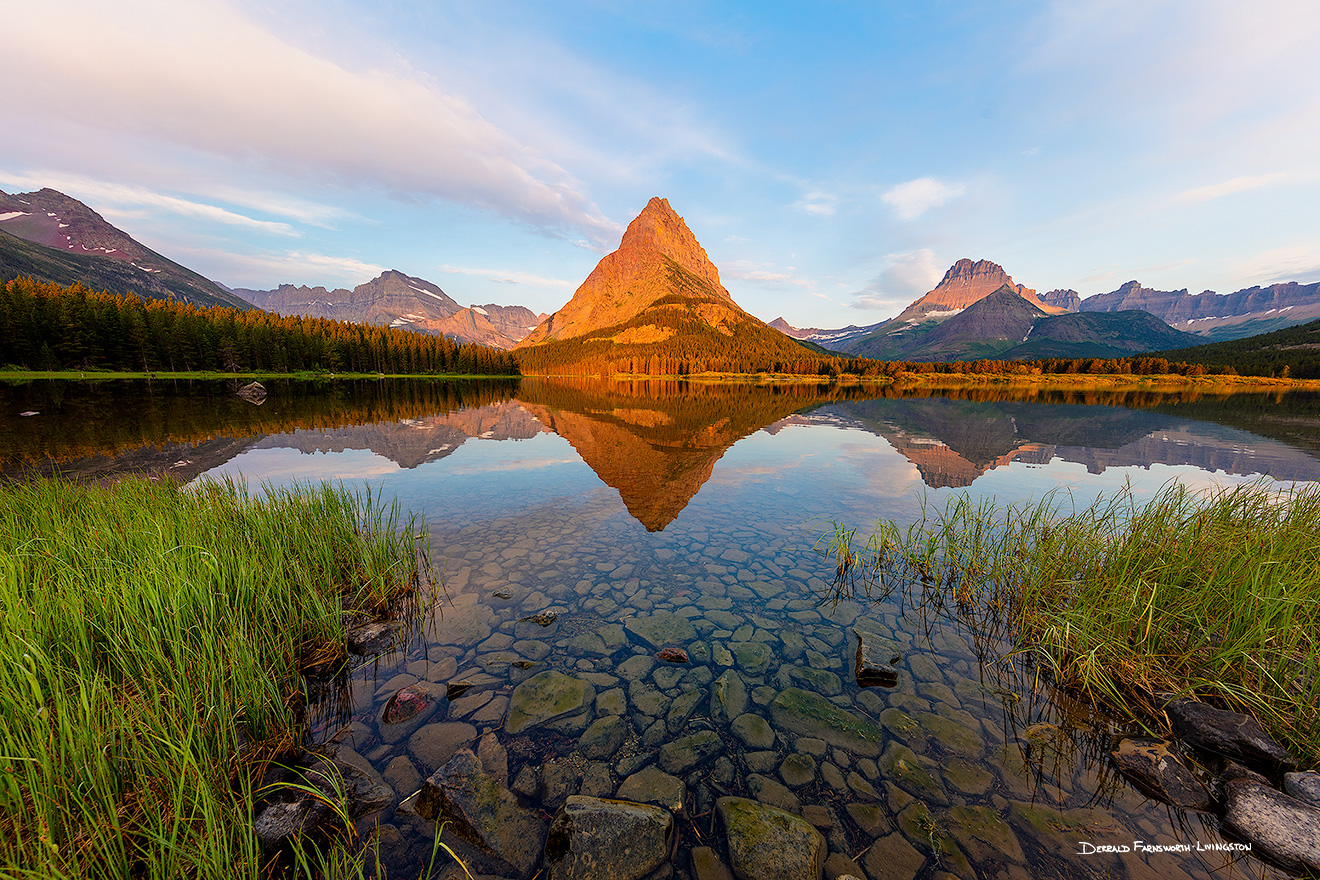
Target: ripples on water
701, 504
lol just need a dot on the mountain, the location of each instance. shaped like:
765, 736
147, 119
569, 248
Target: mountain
1293, 351
1098, 334
831, 340
964, 284
1246, 312
51, 237
656, 305
985, 329
1064, 299
400, 300
514, 322
1007, 326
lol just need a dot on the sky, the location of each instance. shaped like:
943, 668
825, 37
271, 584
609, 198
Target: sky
833, 158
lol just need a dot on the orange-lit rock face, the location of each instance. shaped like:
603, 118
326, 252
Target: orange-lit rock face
965, 283
637, 274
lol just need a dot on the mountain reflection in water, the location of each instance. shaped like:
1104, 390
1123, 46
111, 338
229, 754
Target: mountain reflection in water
654, 442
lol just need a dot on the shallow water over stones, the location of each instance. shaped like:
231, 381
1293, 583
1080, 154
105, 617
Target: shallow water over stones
959, 770
587, 534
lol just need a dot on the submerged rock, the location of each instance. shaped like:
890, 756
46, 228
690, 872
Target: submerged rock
812, 715
372, 637
404, 704
549, 698
1158, 771
661, 628
652, 785
483, 813
1228, 733
594, 839
687, 752
873, 664
728, 697
1281, 827
672, 655
765, 843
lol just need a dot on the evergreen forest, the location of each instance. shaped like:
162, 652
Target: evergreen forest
46, 326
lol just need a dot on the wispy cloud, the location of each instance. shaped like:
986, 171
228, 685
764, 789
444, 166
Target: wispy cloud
202, 75
916, 197
1299, 263
269, 269
818, 204
505, 276
907, 276
1228, 188
108, 198
765, 273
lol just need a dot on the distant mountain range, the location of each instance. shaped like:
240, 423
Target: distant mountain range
657, 302
401, 300
1125, 328
51, 237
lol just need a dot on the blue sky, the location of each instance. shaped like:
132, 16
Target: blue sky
833, 158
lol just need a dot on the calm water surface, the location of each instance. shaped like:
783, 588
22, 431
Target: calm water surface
627, 506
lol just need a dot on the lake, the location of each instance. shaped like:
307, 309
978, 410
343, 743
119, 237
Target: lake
652, 514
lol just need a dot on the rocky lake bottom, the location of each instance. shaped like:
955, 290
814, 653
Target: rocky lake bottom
963, 769
591, 535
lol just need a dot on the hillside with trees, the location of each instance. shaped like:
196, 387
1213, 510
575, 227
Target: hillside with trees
45, 326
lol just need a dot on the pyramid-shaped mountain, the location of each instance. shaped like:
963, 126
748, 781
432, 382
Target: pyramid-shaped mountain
656, 306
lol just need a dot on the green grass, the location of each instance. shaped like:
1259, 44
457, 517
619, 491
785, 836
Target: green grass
149, 630
1213, 594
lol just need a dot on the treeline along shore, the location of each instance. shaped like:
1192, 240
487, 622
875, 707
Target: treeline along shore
46, 327
49, 328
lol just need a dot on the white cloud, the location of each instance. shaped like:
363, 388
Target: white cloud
764, 273
916, 197
506, 276
108, 198
1299, 263
817, 204
908, 276
1228, 187
261, 270
202, 76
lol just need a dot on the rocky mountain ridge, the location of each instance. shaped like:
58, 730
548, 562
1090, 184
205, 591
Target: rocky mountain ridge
635, 275
56, 238
655, 306
403, 301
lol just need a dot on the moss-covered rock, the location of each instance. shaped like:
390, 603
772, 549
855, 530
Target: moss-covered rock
547, 697
901, 765
765, 843
812, 715
661, 629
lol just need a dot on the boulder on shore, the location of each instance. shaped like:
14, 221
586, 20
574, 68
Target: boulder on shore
1158, 770
1277, 825
253, 392
1223, 732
